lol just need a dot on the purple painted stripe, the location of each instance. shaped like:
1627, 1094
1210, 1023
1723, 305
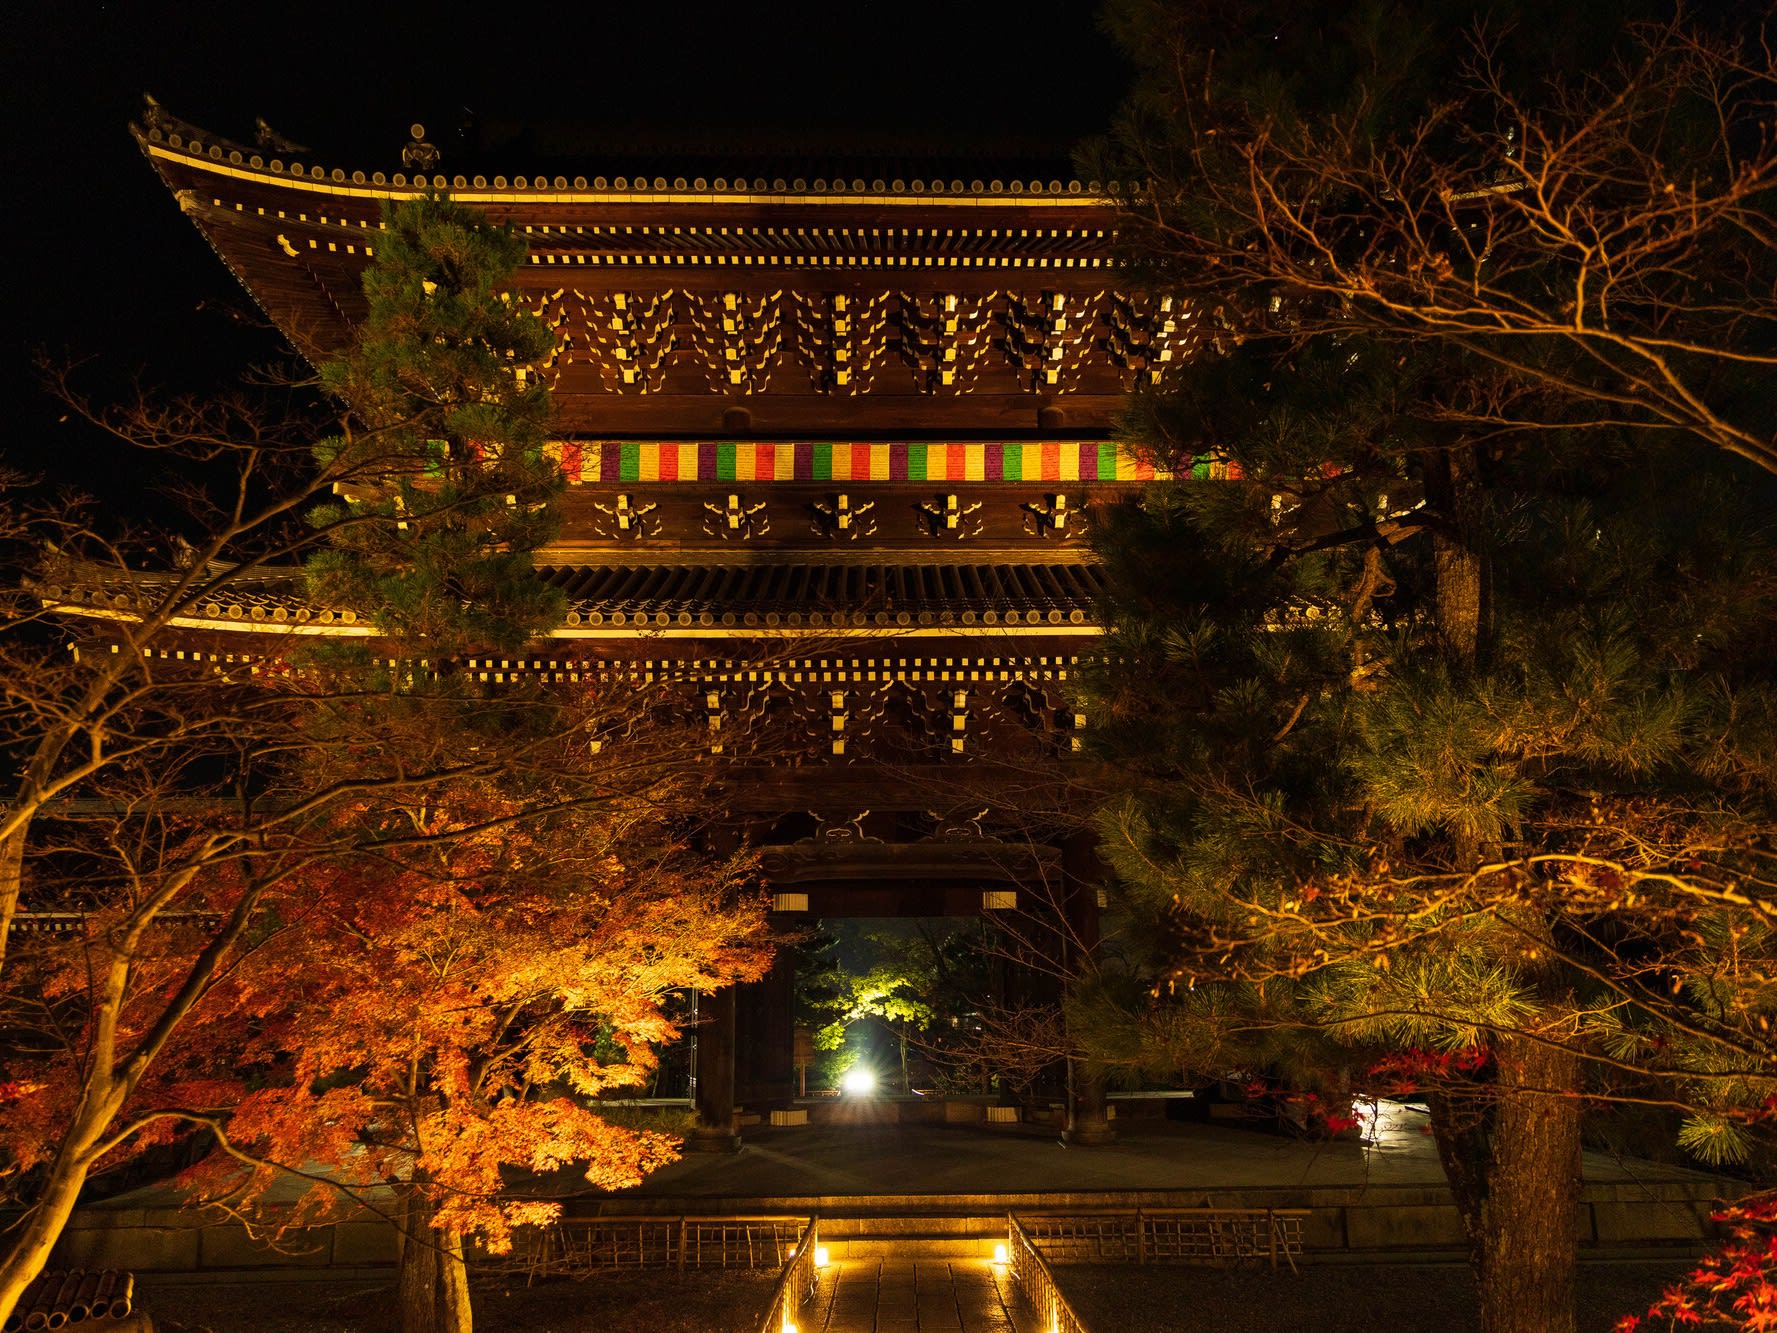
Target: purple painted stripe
803, 469
897, 462
993, 462
610, 461
706, 460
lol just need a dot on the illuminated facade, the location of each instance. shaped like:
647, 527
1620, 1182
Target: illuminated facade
849, 429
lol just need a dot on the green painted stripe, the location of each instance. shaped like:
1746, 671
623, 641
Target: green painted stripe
629, 463
1107, 461
823, 462
1011, 462
916, 462
724, 462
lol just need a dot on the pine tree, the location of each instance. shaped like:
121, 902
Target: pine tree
1447, 733
1445, 761
446, 425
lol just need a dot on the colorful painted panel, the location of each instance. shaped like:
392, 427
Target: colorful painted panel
590, 461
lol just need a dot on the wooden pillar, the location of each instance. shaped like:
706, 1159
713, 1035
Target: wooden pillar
714, 1131
1088, 1124
765, 1070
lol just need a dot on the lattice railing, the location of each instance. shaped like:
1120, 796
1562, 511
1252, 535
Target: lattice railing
576, 1246
797, 1284
1170, 1235
1030, 1270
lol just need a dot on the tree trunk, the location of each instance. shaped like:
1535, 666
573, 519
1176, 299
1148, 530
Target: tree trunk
1511, 1151
42, 1227
1453, 492
12, 865
433, 1289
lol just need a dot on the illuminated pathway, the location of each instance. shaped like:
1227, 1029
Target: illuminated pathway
891, 1295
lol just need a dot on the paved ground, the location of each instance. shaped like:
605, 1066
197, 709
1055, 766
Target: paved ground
924, 1296
1333, 1298
652, 1302
867, 1157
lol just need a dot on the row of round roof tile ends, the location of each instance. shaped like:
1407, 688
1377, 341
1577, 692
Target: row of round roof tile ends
634, 185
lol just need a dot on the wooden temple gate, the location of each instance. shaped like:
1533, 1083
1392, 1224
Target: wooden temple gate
832, 445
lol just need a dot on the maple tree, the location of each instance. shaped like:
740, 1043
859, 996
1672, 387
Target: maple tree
447, 1011
200, 841
1732, 1288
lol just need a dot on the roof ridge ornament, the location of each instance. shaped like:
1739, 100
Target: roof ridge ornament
272, 141
419, 155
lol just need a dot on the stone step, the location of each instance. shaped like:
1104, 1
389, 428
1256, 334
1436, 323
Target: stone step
913, 1247
913, 1237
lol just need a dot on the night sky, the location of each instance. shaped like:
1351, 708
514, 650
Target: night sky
104, 267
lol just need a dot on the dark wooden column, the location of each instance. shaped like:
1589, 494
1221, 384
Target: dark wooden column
714, 1131
1087, 1123
765, 1071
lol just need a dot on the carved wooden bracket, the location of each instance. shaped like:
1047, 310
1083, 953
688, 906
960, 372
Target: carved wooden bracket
737, 520
949, 518
625, 519
1053, 517
839, 520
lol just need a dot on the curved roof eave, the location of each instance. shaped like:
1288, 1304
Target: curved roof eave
171, 141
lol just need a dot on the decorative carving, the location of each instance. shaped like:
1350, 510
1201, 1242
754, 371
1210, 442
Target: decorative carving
624, 519
736, 521
838, 720
942, 339
740, 339
839, 520
839, 338
713, 716
635, 335
737, 343
418, 155
949, 518
1018, 713
1044, 343
270, 140
959, 721
1052, 517
1138, 339
957, 827
849, 830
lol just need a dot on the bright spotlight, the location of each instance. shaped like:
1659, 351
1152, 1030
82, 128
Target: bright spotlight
999, 1254
858, 1083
